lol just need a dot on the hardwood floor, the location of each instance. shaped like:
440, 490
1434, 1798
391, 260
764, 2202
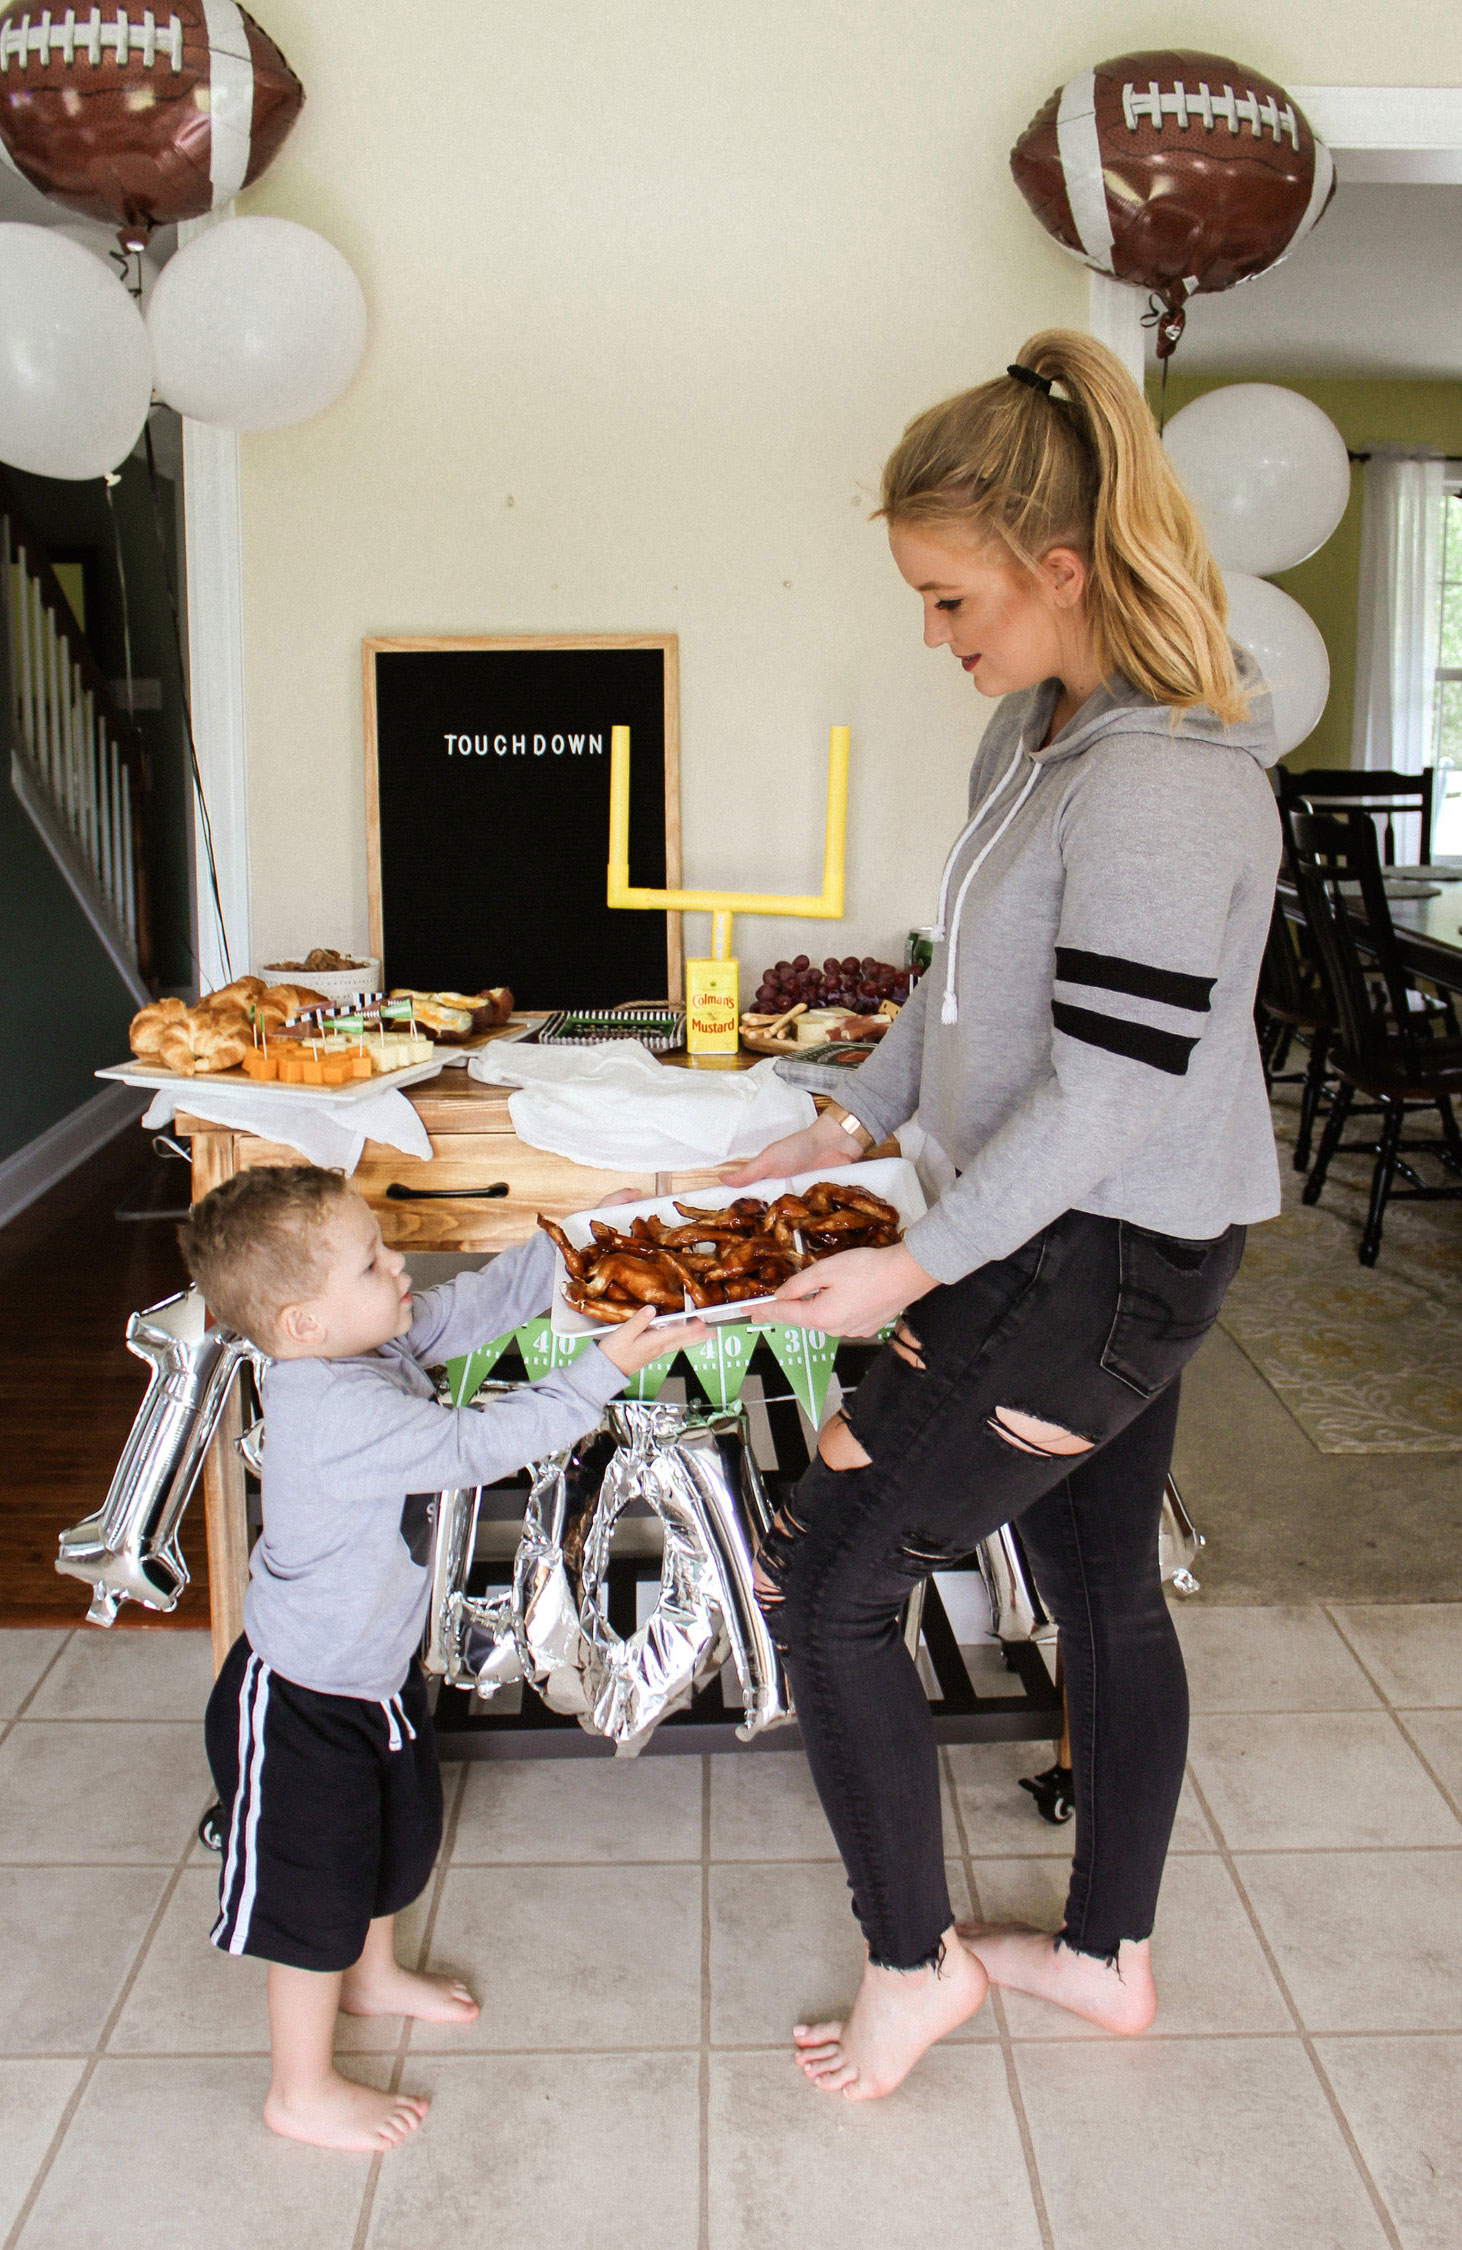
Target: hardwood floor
70, 1273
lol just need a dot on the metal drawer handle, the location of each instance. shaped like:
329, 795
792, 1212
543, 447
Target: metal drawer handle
401, 1194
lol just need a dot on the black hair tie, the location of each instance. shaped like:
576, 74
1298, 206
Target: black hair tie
1029, 376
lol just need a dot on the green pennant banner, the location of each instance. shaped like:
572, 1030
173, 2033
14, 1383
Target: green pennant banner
543, 1351
806, 1357
721, 1362
650, 1380
467, 1375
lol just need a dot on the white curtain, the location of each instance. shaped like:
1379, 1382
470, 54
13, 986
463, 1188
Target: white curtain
1396, 640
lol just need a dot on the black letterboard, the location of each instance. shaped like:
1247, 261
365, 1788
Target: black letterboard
493, 795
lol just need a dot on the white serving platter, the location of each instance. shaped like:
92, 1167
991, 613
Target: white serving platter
501, 1035
892, 1177
233, 1081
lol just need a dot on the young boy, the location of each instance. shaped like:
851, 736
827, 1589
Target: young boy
318, 1729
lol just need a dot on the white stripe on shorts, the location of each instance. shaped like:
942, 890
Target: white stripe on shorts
244, 1916
231, 1931
231, 1855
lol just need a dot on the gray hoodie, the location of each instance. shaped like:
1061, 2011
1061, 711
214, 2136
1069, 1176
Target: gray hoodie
1084, 1039
355, 1449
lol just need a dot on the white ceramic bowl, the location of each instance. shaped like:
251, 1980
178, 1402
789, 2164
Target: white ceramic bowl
335, 984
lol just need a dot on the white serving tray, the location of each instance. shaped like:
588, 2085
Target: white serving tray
892, 1177
233, 1081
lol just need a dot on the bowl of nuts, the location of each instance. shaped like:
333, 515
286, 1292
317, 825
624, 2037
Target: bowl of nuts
339, 976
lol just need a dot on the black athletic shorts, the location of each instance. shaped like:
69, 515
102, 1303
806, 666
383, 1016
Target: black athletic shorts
332, 1811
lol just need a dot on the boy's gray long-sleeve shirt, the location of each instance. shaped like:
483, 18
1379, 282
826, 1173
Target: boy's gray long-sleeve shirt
1101, 1054
353, 1448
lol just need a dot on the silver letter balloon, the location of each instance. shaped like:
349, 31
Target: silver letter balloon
128, 1550
694, 1468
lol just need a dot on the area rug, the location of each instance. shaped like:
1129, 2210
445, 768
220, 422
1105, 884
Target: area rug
1366, 1359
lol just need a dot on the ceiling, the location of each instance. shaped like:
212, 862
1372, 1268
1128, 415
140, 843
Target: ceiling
1376, 289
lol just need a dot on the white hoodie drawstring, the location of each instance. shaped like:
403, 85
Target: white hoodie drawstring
394, 1708
963, 838
949, 1013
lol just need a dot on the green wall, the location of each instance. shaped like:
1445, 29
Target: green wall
1365, 412
66, 1008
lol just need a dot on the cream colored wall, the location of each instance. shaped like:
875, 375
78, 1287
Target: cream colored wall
653, 287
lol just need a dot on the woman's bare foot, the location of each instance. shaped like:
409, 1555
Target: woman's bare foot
390, 1990
897, 2016
335, 2112
1122, 1998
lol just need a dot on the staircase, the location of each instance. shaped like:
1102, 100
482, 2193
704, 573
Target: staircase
77, 763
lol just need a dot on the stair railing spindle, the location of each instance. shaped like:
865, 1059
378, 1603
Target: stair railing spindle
129, 883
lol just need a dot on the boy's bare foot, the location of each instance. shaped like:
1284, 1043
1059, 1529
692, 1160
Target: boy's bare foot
393, 1991
896, 2017
1122, 1998
337, 2113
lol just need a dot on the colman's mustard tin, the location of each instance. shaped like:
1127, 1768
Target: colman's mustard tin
712, 1007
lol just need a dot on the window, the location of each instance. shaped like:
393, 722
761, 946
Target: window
1447, 741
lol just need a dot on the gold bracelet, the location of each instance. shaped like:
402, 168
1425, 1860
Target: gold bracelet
852, 1126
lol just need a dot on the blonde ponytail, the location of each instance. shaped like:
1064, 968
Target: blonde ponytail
1086, 470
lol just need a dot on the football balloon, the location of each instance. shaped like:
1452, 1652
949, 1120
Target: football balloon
1181, 173
142, 116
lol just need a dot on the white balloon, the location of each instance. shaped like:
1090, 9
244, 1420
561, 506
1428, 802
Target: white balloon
1289, 649
75, 364
256, 324
1267, 471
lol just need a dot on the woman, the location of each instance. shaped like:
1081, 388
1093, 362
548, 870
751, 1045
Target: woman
1082, 1062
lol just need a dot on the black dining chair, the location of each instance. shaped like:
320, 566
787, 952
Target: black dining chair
1390, 1054
1319, 788
1292, 1003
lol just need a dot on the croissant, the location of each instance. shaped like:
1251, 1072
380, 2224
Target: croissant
200, 1043
150, 1025
219, 1007
243, 989
293, 998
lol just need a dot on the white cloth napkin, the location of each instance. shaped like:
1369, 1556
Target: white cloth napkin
326, 1132
618, 1108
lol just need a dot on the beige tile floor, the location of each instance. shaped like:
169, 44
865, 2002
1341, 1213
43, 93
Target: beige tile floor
643, 1935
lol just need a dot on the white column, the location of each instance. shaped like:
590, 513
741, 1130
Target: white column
216, 676
1115, 319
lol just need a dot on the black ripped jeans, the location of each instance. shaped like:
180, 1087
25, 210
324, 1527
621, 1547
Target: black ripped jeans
1086, 1329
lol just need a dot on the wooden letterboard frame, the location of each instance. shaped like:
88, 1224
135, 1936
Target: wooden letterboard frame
487, 814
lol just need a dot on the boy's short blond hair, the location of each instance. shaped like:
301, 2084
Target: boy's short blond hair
253, 1245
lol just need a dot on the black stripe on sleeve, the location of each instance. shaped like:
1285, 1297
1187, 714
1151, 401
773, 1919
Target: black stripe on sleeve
1164, 1050
1110, 973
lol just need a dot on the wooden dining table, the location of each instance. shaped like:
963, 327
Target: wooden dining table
1428, 930
1430, 934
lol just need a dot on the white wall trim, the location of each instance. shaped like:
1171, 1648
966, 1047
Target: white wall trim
69, 1142
1388, 134
213, 523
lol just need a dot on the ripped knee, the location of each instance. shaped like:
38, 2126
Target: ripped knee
767, 1589
907, 1345
772, 1557
837, 1447
1026, 1433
